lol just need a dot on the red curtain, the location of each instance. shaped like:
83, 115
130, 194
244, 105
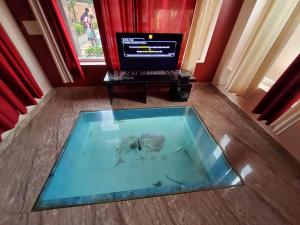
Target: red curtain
62, 37
166, 16
113, 16
148, 16
283, 94
18, 88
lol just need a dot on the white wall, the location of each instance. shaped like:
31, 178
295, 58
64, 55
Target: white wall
10, 26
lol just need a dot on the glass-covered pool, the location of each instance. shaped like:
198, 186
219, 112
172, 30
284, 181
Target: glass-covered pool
113, 155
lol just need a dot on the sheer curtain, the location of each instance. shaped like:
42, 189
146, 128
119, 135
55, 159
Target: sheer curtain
256, 42
204, 22
253, 50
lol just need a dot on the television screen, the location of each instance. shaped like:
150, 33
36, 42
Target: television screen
148, 51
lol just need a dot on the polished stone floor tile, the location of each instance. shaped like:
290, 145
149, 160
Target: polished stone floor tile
271, 194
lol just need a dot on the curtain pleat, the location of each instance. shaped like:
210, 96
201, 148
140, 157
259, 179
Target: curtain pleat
166, 16
11, 98
258, 44
11, 78
18, 88
113, 16
9, 50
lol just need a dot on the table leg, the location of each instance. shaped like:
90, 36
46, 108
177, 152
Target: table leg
110, 92
173, 91
145, 93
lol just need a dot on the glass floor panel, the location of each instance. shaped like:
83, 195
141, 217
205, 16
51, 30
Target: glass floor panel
113, 155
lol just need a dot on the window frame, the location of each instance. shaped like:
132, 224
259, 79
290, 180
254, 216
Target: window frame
95, 59
82, 60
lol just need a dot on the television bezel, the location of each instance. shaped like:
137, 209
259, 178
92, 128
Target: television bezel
119, 35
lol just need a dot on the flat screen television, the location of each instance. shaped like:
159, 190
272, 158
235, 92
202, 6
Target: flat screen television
148, 51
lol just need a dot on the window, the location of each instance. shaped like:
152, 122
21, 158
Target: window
82, 24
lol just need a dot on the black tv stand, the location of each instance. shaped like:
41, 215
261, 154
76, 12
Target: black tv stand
178, 80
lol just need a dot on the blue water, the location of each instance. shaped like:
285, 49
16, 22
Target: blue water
124, 154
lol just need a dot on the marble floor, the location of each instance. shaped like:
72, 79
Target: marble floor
271, 194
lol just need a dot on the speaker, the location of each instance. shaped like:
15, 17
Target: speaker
181, 92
